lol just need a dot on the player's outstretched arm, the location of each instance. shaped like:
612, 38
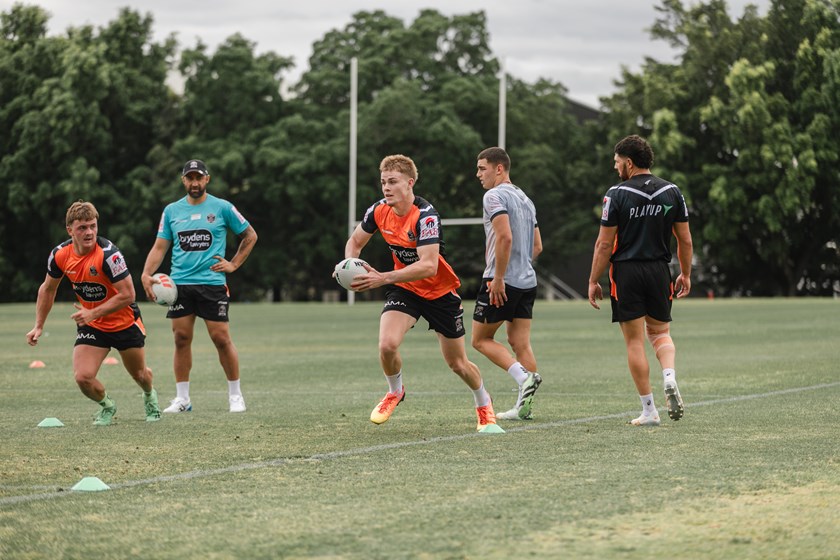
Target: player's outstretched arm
46, 298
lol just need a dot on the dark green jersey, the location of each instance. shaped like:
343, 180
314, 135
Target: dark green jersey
644, 209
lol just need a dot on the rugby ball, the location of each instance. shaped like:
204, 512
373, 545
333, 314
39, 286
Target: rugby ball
348, 269
166, 292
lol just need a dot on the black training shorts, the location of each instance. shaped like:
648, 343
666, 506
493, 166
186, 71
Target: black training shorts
444, 314
132, 337
519, 304
639, 288
208, 302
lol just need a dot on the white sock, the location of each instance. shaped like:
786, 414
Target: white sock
648, 408
395, 382
182, 390
519, 373
669, 376
233, 388
481, 396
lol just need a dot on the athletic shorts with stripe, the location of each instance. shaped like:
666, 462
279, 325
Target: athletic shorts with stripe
640, 288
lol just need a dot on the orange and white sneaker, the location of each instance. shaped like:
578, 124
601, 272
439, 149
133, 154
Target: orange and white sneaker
386, 407
485, 416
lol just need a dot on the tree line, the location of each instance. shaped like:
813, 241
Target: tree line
746, 122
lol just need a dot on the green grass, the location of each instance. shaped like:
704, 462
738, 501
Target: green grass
304, 474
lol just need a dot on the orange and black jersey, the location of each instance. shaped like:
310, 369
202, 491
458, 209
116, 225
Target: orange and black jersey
420, 226
93, 277
644, 208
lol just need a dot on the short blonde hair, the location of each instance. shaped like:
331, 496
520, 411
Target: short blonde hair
82, 211
401, 164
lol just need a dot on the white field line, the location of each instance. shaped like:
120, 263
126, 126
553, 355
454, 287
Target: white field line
11, 500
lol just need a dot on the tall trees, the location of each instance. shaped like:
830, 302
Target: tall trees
747, 124
78, 113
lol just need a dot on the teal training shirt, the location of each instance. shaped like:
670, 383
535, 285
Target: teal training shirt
198, 233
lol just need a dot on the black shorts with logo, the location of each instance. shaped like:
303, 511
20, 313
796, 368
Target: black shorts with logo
444, 314
640, 288
132, 337
208, 302
519, 304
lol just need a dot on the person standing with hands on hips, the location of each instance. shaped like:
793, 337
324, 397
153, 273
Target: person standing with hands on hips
509, 283
639, 216
196, 227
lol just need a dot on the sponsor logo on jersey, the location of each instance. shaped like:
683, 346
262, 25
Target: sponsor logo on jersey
667, 208
90, 291
85, 336
429, 228
117, 264
646, 210
176, 307
605, 213
195, 217
195, 240
394, 303
405, 255
211, 218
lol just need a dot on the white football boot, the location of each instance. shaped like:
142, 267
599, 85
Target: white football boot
178, 405
237, 403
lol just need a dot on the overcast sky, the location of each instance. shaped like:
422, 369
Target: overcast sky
580, 43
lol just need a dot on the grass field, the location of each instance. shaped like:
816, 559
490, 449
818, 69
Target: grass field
752, 471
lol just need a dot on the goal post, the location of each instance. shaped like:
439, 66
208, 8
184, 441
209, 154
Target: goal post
352, 222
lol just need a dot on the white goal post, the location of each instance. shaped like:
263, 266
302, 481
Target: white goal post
352, 222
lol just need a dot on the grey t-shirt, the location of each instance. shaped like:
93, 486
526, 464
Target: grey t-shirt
509, 199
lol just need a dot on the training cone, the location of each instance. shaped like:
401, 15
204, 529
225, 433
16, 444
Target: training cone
51, 423
37, 364
110, 361
491, 429
90, 484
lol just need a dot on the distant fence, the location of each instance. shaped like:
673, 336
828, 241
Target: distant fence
553, 288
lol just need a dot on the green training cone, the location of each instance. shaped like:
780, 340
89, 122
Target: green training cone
51, 423
90, 484
491, 429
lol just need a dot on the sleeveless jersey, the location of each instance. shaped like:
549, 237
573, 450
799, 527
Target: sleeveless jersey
198, 233
509, 199
93, 277
645, 209
420, 226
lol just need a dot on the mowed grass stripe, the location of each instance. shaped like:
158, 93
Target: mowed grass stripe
282, 461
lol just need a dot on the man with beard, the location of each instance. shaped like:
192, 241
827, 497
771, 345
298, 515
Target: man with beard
198, 225
639, 216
